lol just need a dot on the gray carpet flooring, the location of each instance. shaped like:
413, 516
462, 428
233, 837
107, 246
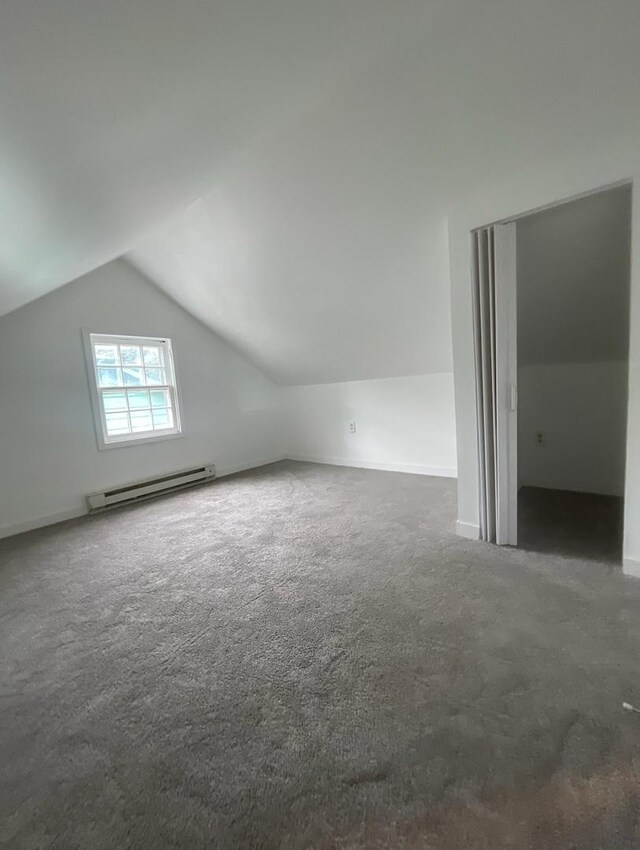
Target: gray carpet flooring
307, 657
583, 525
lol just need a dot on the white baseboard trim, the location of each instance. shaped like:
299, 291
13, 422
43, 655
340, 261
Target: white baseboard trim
412, 468
42, 521
244, 467
468, 530
74, 513
631, 567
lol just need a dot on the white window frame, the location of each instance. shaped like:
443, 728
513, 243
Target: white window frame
106, 441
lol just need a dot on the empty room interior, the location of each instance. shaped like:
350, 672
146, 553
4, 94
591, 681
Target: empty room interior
319, 425
573, 267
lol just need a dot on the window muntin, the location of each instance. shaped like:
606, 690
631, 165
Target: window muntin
135, 383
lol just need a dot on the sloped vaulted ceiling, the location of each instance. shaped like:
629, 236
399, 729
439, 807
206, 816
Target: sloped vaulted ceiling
283, 168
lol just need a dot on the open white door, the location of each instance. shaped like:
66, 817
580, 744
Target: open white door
506, 384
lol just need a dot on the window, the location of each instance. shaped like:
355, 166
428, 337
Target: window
133, 388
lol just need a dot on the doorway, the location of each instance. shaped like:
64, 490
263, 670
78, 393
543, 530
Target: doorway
573, 288
551, 329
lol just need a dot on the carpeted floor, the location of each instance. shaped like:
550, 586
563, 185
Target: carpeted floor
583, 525
307, 657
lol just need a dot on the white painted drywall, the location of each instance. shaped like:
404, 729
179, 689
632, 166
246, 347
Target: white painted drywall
581, 411
405, 424
377, 305
593, 164
49, 460
327, 140
115, 115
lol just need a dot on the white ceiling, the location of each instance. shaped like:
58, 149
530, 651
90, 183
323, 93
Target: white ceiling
283, 168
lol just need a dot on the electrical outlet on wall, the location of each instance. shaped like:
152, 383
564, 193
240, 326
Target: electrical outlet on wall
352, 427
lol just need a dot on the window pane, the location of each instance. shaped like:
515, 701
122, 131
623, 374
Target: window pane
117, 423
106, 355
160, 398
155, 376
109, 377
114, 400
153, 356
138, 398
133, 377
130, 355
136, 387
141, 420
162, 418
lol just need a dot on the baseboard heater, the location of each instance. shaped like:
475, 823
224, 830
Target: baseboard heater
140, 490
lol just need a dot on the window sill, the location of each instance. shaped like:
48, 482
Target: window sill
138, 441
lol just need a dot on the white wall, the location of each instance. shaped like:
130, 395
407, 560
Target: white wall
49, 458
589, 167
581, 411
232, 414
404, 424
